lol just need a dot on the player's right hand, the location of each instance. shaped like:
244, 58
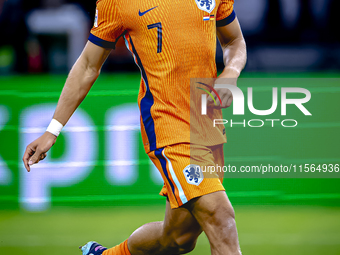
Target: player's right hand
36, 150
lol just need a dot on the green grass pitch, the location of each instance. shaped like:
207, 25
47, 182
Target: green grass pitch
279, 230
301, 216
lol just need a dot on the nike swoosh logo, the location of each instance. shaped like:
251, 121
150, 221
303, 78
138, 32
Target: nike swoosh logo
142, 13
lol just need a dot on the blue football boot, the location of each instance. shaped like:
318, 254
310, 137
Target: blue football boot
92, 248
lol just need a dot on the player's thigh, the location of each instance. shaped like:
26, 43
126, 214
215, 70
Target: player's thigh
215, 215
180, 226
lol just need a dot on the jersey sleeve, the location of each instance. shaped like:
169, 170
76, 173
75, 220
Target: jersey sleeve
225, 13
108, 25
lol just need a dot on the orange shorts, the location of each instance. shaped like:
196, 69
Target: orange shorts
182, 167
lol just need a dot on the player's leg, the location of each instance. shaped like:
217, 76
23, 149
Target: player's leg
179, 231
213, 210
215, 215
177, 234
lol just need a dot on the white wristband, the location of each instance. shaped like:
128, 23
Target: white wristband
55, 127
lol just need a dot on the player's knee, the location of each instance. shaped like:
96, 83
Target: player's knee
181, 244
186, 245
229, 229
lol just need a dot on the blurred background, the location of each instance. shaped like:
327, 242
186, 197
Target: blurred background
282, 35
98, 184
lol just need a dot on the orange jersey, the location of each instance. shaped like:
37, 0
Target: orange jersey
171, 41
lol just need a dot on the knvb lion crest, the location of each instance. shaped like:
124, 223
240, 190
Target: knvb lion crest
206, 5
193, 174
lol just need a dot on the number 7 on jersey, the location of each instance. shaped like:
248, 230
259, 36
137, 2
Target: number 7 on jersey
159, 35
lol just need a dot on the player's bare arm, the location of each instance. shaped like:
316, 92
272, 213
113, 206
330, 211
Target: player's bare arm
80, 80
234, 56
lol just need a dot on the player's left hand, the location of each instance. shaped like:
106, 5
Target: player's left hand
225, 94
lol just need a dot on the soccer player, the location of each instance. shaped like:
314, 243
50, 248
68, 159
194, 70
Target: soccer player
171, 41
